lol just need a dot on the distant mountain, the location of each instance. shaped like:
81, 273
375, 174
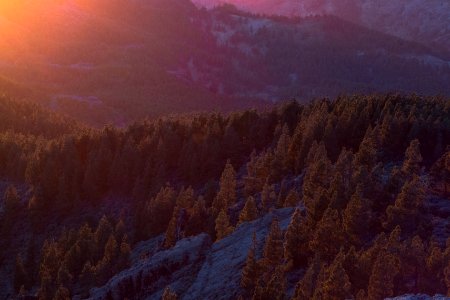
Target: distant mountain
426, 21
115, 61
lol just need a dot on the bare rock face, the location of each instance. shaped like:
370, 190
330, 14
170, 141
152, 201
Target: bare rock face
147, 278
195, 268
220, 275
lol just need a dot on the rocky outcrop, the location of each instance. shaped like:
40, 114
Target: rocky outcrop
195, 268
148, 277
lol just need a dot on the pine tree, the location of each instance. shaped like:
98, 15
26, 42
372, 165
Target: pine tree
62, 293
250, 272
337, 285
306, 286
328, 236
292, 199
447, 277
367, 152
280, 160
405, 212
186, 198
282, 194
381, 283
20, 275
171, 232
223, 227
357, 217
111, 250
273, 248
103, 232
123, 260
249, 212
413, 159
435, 263
64, 277
275, 289
120, 230
196, 222
296, 240
87, 279
226, 196
11, 200
267, 196
169, 294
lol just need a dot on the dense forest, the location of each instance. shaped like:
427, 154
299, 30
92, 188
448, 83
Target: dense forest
359, 172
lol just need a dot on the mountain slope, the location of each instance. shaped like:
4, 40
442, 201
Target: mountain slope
419, 20
118, 61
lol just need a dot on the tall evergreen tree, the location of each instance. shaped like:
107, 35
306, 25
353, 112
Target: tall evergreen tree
381, 283
292, 199
226, 196
249, 212
20, 274
413, 159
406, 210
223, 227
250, 272
169, 294
171, 232
11, 200
273, 248
337, 284
296, 240
328, 236
268, 196
357, 217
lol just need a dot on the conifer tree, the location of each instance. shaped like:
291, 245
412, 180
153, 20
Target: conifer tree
64, 277
367, 152
267, 196
280, 160
304, 290
111, 249
407, 206
357, 217
124, 254
171, 232
223, 227
250, 272
103, 233
282, 194
275, 289
296, 240
11, 200
119, 230
273, 248
316, 182
413, 159
169, 294
226, 196
447, 277
87, 279
62, 293
249, 212
381, 283
292, 199
337, 285
328, 235
20, 274
196, 222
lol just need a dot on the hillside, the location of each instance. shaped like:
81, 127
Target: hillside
119, 61
347, 199
422, 21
